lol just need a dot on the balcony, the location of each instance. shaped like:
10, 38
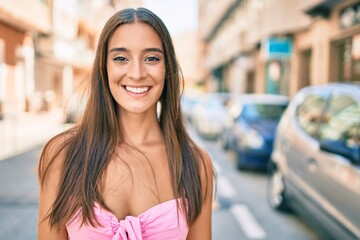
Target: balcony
319, 7
26, 15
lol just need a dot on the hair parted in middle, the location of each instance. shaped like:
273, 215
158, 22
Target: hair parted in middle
91, 144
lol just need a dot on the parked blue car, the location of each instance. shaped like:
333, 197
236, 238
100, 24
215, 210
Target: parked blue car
251, 136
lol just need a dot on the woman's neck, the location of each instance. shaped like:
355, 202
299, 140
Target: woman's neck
140, 129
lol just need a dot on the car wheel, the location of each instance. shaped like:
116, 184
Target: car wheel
276, 190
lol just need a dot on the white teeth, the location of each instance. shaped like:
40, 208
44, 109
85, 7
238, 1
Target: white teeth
137, 89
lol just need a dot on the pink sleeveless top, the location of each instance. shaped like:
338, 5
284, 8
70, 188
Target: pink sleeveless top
160, 222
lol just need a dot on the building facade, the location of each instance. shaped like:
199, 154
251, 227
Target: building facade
18, 29
47, 48
41, 57
279, 46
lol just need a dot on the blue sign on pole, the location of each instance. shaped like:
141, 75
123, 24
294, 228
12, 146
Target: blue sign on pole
275, 48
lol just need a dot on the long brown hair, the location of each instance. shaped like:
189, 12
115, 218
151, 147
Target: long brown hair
90, 145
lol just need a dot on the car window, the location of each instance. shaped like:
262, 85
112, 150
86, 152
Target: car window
254, 112
309, 112
213, 103
343, 118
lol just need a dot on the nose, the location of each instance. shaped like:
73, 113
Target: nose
136, 70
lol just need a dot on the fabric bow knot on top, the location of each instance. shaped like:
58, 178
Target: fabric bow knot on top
127, 229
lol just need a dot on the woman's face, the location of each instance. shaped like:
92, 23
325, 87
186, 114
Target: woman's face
136, 67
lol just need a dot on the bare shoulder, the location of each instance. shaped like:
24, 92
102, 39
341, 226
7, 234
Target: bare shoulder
207, 171
50, 170
201, 227
205, 161
53, 154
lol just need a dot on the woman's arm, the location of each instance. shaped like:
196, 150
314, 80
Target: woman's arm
48, 191
201, 228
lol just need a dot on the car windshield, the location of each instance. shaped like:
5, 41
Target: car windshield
254, 112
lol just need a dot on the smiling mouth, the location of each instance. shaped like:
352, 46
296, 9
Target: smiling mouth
137, 90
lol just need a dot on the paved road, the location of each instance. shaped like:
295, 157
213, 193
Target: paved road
242, 213
19, 197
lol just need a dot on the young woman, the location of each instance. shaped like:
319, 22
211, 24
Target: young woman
125, 172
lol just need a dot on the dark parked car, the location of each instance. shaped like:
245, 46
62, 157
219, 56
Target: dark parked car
315, 165
251, 135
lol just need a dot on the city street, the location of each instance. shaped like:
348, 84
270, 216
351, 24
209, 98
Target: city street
19, 197
240, 210
274, 80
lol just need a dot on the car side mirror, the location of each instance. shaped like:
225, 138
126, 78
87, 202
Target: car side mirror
339, 148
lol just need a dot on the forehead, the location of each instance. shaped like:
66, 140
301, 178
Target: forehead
135, 35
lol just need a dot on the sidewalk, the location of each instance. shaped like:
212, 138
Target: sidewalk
28, 130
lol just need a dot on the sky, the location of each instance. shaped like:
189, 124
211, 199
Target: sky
178, 15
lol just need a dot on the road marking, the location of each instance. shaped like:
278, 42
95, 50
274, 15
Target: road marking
247, 222
225, 187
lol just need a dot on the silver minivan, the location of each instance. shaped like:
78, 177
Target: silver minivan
315, 164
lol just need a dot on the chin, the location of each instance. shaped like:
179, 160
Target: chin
139, 110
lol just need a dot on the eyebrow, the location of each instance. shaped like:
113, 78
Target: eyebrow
122, 49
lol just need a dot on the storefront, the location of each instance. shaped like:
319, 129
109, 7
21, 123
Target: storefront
346, 46
277, 52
